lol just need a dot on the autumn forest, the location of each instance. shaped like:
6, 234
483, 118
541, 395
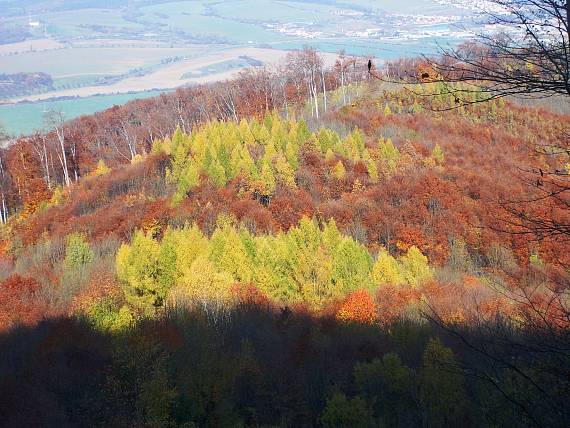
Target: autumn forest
299, 246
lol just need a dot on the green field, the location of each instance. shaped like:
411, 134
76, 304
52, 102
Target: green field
78, 23
89, 61
25, 118
193, 18
272, 11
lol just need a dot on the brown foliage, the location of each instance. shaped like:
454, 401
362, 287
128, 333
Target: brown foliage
288, 208
250, 295
393, 301
20, 302
102, 285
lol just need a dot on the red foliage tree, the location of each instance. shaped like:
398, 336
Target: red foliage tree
19, 302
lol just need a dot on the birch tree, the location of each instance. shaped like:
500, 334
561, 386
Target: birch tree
55, 120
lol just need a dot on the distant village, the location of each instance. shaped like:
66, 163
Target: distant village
389, 26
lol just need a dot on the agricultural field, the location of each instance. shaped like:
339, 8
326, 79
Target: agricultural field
89, 61
29, 46
138, 46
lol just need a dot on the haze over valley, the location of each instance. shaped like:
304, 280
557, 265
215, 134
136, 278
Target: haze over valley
62, 50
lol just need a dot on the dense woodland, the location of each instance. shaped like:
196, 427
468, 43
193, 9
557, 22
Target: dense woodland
297, 247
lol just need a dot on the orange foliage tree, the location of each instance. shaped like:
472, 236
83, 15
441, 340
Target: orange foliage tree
358, 307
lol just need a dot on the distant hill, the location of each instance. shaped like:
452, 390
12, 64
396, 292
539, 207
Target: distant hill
12, 85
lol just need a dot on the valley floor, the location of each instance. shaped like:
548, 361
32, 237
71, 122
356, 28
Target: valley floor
174, 75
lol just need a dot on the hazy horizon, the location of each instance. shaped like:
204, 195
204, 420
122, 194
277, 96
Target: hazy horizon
102, 48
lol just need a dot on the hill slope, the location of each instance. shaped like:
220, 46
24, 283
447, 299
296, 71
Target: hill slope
184, 281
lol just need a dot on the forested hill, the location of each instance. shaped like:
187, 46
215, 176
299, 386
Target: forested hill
311, 249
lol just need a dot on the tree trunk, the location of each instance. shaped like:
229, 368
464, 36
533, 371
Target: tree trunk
324, 87
63, 158
4, 210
